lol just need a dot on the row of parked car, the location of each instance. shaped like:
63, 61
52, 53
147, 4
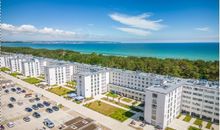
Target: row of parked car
17, 90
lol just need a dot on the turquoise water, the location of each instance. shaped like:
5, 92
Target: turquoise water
192, 51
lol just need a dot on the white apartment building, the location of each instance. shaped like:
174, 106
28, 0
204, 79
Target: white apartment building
201, 99
55, 74
15, 64
90, 84
163, 102
31, 68
131, 84
2, 61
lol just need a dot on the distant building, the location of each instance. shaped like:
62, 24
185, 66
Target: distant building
163, 102
31, 68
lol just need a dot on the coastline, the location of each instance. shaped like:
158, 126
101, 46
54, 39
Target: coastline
193, 51
182, 68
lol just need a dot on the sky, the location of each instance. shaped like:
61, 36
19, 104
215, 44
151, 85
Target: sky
110, 20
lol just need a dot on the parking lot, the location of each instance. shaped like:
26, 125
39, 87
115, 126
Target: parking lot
18, 102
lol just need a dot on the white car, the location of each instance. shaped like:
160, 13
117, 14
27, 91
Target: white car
11, 124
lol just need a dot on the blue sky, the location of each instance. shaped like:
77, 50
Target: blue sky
111, 20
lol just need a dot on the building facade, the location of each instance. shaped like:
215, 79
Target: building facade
55, 74
91, 84
163, 104
31, 68
201, 99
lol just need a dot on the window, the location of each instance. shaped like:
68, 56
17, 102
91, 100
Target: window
154, 95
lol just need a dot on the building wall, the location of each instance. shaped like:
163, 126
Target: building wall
162, 108
201, 102
31, 68
92, 84
15, 65
55, 75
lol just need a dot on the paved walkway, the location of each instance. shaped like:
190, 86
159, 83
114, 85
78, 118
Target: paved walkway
106, 121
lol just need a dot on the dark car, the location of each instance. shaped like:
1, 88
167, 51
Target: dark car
36, 115
13, 89
27, 119
10, 105
40, 105
55, 108
23, 91
28, 109
2, 127
6, 91
35, 107
3, 87
37, 99
46, 103
49, 110
12, 99
18, 88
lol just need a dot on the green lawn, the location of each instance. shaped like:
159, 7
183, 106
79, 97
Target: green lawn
128, 100
3, 69
187, 118
111, 94
32, 80
198, 122
109, 110
15, 74
123, 105
71, 84
168, 128
208, 126
193, 128
59, 91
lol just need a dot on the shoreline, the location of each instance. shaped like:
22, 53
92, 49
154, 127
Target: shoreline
182, 68
145, 50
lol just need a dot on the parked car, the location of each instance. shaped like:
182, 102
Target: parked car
28, 109
36, 115
49, 110
46, 103
40, 105
3, 87
13, 89
2, 127
18, 88
11, 124
35, 107
48, 123
27, 119
37, 99
55, 108
10, 105
23, 91
12, 99
6, 91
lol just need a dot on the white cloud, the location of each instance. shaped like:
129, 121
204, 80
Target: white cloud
30, 29
141, 21
135, 31
204, 29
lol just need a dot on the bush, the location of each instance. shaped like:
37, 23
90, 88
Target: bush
208, 126
187, 118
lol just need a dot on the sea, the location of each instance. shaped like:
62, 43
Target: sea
191, 51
